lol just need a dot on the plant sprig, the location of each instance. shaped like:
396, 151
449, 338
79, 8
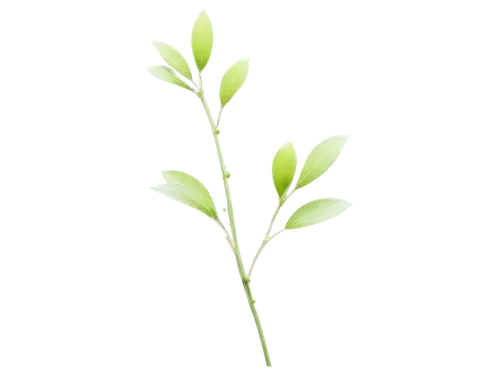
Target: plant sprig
186, 189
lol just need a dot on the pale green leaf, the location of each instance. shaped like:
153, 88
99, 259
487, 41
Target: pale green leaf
173, 58
284, 165
320, 159
232, 80
202, 39
168, 75
186, 189
316, 212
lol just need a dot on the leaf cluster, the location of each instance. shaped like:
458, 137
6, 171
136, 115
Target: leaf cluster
186, 189
178, 72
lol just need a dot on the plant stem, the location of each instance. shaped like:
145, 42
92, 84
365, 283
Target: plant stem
241, 268
266, 236
265, 240
258, 323
230, 211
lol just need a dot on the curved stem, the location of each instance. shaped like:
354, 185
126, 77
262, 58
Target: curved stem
266, 237
236, 249
265, 240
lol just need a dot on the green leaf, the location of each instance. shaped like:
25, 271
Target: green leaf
320, 159
284, 166
316, 212
186, 189
202, 39
232, 80
168, 75
173, 58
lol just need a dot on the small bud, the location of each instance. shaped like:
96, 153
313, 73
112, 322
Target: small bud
217, 131
228, 175
253, 301
248, 279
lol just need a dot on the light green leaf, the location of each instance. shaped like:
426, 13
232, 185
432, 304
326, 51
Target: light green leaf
202, 39
173, 58
186, 189
316, 212
232, 80
168, 75
284, 165
320, 159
